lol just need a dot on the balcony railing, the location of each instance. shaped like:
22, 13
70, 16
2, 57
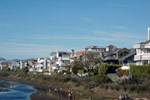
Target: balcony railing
142, 57
137, 57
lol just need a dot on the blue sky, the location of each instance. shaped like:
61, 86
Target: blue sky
34, 28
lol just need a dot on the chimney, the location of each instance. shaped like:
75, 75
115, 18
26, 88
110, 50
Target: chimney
148, 33
73, 53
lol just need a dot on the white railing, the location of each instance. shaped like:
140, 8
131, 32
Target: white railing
142, 57
137, 57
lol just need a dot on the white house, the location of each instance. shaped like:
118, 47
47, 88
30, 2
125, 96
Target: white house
9, 63
142, 56
41, 64
60, 60
94, 49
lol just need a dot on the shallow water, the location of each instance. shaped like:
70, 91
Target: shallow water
17, 92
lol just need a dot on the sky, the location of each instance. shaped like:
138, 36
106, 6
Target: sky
34, 28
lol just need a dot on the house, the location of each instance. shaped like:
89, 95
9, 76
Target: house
94, 49
22, 64
129, 58
8, 63
60, 60
77, 56
142, 56
114, 56
111, 48
41, 64
33, 64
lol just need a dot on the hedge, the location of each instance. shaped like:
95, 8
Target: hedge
143, 70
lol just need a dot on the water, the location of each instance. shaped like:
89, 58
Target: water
17, 91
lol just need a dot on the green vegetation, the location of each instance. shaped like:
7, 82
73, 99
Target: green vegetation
141, 71
121, 73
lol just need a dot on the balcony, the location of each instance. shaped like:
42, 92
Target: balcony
137, 57
145, 56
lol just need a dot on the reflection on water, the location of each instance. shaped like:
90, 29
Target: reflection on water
17, 91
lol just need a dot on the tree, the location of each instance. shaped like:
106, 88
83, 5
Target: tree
91, 60
77, 65
102, 69
25, 70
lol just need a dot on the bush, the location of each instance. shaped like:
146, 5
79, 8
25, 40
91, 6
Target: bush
112, 88
80, 71
133, 80
4, 74
102, 79
77, 65
91, 85
117, 88
121, 73
132, 88
66, 72
125, 88
102, 69
106, 87
143, 70
65, 78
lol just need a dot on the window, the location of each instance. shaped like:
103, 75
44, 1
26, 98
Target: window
148, 50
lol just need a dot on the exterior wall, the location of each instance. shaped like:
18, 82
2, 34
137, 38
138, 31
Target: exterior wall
142, 56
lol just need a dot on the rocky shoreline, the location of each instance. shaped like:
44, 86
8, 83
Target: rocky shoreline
4, 90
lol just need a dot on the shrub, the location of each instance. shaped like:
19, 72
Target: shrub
143, 70
132, 88
112, 88
66, 71
4, 74
91, 85
125, 88
117, 88
121, 73
66, 78
80, 71
77, 65
106, 87
102, 79
102, 69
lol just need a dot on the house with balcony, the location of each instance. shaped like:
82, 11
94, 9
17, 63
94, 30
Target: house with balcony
41, 64
142, 56
59, 61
